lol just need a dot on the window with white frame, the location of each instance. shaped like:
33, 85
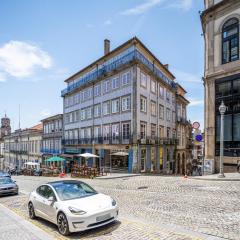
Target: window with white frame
153, 86
161, 111
126, 103
143, 130
153, 130
143, 104
173, 117
168, 132
97, 90
161, 91
97, 131
83, 114
115, 83
115, 105
106, 86
126, 78
82, 133
97, 110
153, 108
106, 132
168, 95
115, 131
106, 108
168, 113
143, 80
87, 133
89, 112
161, 131
126, 131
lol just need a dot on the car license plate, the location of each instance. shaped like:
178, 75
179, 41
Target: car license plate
103, 218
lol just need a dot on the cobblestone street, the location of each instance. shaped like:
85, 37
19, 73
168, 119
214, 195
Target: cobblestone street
153, 207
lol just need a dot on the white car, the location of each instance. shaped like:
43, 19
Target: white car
72, 205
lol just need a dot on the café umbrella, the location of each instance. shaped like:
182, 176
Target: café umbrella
56, 159
87, 155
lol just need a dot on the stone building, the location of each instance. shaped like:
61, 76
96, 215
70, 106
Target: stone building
4, 131
220, 22
123, 102
52, 136
184, 132
23, 146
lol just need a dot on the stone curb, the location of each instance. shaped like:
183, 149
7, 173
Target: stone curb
216, 179
40, 234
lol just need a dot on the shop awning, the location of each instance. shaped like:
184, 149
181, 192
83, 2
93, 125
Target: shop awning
55, 159
120, 154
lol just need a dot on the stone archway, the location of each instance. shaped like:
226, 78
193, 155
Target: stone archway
183, 164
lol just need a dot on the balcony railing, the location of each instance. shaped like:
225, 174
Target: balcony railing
99, 140
120, 140
182, 120
50, 151
126, 59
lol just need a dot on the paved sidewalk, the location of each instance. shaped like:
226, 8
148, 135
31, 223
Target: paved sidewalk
214, 177
118, 175
14, 227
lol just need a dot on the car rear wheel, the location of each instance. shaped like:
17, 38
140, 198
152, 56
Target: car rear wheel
31, 211
62, 223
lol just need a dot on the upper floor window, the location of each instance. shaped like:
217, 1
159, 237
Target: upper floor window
143, 80
126, 103
97, 90
230, 41
115, 83
126, 78
153, 86
143, 104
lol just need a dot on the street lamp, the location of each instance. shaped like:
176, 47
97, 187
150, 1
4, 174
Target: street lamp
222, 110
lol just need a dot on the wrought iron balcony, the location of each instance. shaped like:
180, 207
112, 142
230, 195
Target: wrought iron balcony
182, 120
99, 140
50, 151
156, 140
107, 68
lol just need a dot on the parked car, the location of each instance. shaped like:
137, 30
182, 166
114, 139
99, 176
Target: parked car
4, 174
8, 186
72, 205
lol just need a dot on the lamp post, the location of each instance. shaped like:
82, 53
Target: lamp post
222, 110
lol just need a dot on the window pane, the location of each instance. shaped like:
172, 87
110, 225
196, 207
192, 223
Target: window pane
227, 127
236, 86
223, 89
236, 127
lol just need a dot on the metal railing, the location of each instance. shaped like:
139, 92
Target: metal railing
134, 55
50, 151
99, 140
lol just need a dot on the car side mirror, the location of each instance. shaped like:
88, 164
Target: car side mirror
51, 199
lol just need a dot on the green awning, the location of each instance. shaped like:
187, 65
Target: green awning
55, 159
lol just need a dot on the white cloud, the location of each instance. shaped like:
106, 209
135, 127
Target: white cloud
187, 77
21, 59
142, 8
45, 113
195, 102
2, 77
184, 5
108, 22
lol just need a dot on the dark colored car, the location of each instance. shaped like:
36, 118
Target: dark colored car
4, 174
37, 172
8, 186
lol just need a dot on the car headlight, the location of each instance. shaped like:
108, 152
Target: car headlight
114, 203
76, 211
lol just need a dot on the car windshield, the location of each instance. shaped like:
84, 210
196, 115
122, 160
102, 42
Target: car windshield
73, 190
5, 180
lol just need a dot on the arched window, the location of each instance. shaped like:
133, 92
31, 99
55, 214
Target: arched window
230, 41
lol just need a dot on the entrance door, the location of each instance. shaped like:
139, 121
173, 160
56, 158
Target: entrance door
143, 159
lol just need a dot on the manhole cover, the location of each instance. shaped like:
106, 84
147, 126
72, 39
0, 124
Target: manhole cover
143, 187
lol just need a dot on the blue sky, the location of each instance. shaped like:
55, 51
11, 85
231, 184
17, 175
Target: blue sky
44, 42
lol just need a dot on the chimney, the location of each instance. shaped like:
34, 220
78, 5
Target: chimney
166, 66
106, 46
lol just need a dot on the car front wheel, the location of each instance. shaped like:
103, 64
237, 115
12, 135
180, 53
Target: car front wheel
62, 224
31, 211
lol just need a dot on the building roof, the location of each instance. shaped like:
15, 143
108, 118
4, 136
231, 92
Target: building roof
38, 127
57, 116
132, 41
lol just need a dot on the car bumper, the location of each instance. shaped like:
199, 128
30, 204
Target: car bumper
8, 191
82, 223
